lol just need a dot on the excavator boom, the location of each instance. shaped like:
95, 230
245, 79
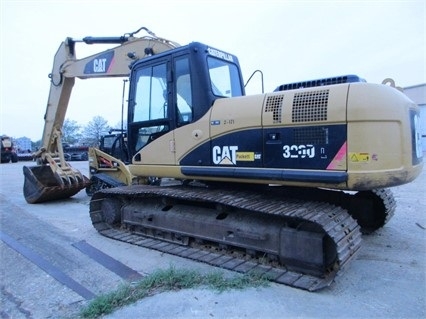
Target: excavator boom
53, 178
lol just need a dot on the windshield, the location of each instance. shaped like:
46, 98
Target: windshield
224, 78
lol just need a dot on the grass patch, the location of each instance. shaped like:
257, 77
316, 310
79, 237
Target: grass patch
170, 279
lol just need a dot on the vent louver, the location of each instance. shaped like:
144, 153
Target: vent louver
310, 106
320, 82
274, 104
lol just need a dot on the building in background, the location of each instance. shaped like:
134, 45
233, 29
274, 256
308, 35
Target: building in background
23, 145
418, 94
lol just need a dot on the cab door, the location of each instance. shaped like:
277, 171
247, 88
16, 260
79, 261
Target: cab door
150, 131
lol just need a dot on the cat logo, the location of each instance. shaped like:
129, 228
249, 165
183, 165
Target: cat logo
99, 65
102, 63
226, 155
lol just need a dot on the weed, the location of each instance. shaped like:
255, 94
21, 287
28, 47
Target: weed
170, 279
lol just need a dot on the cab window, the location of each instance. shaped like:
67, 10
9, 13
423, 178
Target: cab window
151, 94
183, 91
224, 78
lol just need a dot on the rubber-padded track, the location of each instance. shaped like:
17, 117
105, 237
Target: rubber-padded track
335, 221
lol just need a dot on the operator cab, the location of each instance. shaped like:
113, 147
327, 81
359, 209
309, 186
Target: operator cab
178, 87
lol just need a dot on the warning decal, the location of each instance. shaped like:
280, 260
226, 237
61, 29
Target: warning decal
359, 157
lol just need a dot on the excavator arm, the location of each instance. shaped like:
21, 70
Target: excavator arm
53, 178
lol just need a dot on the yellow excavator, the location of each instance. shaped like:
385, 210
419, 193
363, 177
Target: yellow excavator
281, 183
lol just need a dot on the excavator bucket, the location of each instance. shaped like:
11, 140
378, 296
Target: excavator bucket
42, 185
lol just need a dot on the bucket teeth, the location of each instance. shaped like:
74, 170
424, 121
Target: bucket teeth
42, 185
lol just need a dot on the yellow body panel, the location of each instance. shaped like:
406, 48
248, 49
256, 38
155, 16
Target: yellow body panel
240, 113
377, 153
379, 135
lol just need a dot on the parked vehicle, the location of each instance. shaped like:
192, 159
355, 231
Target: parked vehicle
79, 156
8, 153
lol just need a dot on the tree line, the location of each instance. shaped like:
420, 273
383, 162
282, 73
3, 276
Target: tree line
86, 135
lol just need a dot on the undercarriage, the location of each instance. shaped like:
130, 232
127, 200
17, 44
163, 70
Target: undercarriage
303, 244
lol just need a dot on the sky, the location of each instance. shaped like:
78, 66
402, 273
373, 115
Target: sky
288, 41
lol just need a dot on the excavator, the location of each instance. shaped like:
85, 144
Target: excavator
281, 183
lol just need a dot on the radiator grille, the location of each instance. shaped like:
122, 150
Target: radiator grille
310, 106
274, 104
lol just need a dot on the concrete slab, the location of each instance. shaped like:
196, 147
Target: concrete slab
387, 280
